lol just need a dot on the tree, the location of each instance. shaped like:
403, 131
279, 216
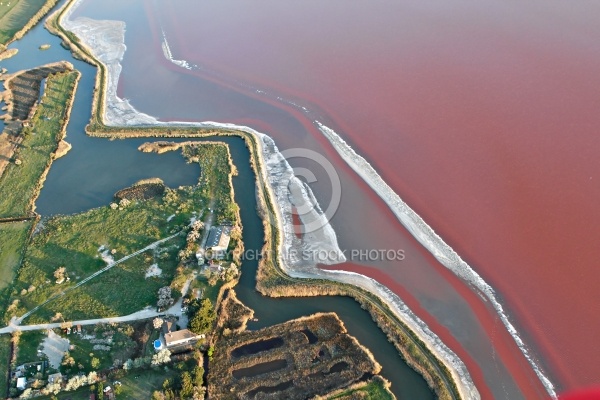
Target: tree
60, 274
198, 376
162, 357
66, 325
68, 361
197, 225
92, 377
157, 322
140, 362
95, 362
164, 297
203, 317
213, 278
157, 395
76, 382
231, 273
236, 233
199, 393
187, 386
52, 388
193, 236
118, 389
100, 390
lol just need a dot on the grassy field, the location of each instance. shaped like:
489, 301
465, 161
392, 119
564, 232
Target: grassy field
20, 183
209, 292
120, 291
4, 363
28, 346
139, 385
16, 14
74, 242
215, 166
375, 389
13, 237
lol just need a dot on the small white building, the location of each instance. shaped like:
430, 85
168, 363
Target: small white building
21, 383
181, 338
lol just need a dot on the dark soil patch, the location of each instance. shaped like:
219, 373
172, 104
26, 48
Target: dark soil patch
142, 191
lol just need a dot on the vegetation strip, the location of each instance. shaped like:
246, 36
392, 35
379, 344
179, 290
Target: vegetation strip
22, 180
22, 97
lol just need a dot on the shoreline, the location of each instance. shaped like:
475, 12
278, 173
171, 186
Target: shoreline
253, 138
462, 380
425, 235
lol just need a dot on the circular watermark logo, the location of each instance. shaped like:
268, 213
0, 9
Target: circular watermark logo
291, 185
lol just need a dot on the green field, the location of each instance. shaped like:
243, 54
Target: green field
20, 183
4, 362
29, 343
136, 385
74, 242
13, 237
139, 385
120, 291
15, 14
215, 167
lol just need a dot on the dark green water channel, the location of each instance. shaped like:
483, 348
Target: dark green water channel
95, 169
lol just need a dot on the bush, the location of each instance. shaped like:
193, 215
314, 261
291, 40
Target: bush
202, 315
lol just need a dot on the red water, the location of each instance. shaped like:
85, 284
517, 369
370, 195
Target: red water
481, 115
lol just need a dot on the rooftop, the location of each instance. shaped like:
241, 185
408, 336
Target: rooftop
218, 237
176, 337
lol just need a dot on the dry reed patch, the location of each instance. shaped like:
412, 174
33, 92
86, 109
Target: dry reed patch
317, 356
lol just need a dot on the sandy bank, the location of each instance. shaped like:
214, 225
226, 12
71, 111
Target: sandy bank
6, 54
63, 148
429, 239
